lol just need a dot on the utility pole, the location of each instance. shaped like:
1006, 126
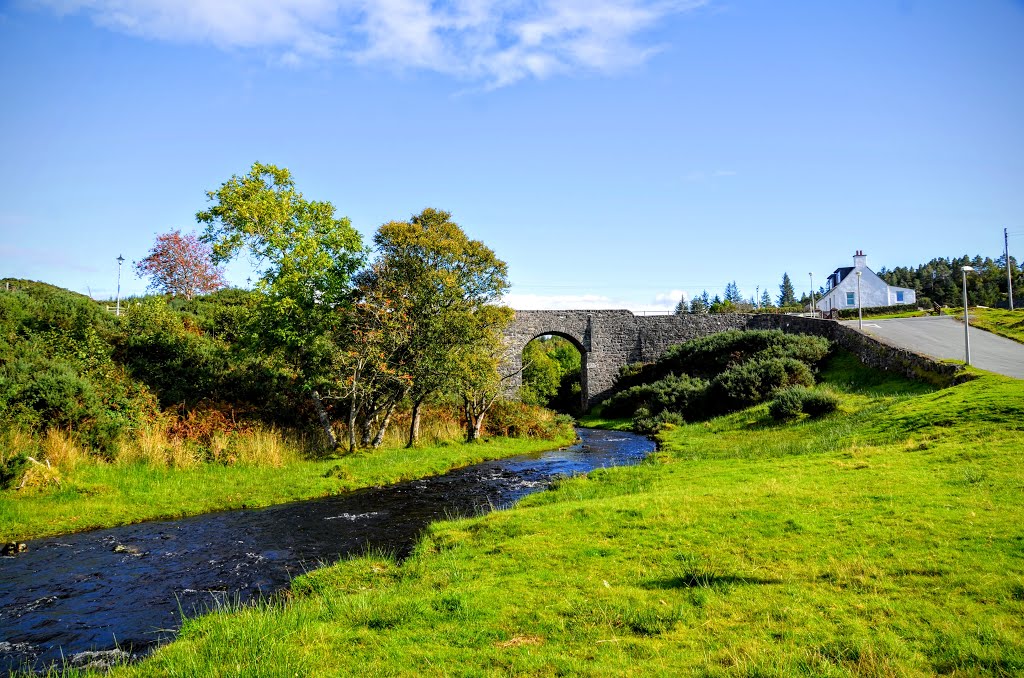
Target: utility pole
812, 293
1009, 269
120, 260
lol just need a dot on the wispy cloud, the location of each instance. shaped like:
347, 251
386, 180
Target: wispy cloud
494, 42
662, 302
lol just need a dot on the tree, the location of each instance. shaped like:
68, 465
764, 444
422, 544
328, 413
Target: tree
766, 300
732, 293
442, 280
787, 295
701, 304
180, 265
478, 361
307, 258
682, 307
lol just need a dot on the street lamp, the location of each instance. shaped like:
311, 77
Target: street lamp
860, 307
967, 320
812, 292
120, 260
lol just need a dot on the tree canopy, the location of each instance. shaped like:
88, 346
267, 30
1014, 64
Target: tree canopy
180, 265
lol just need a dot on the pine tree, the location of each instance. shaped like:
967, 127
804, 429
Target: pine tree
682, 307
787, 295
732, 293
766, 300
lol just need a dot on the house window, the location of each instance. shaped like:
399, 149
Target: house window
850, 298
899, 297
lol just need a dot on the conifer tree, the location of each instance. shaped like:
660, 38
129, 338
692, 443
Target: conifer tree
787, 295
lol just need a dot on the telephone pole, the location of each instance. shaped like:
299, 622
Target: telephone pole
1009, 269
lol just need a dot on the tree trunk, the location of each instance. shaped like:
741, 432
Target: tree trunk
352, 422
379, 438
325, 421
414, 427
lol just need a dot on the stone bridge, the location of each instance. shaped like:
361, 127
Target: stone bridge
607, 340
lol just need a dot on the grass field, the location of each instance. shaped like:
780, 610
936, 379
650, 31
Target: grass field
95, 495
1005, 323
884, 540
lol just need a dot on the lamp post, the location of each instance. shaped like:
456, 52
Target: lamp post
860, 308
812, 292
120, 260
967, 321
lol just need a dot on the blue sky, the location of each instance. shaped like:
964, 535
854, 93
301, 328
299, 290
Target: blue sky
615, 154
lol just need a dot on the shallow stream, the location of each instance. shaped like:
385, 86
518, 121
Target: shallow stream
127, 587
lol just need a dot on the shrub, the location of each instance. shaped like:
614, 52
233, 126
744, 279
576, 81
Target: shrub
644, 423
683, 394
817, 403
788, 404
755, 381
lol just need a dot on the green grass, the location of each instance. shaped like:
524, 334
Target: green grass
104, 495
1005, 323
883, 540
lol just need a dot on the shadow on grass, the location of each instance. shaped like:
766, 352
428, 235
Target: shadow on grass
706, 580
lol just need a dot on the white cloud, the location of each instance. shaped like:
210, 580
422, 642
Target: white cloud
663, 302
496, 42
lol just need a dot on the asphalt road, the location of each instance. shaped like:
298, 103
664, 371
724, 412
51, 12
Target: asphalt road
943, 337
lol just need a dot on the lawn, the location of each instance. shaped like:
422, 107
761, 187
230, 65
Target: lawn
1005, 323
883, 540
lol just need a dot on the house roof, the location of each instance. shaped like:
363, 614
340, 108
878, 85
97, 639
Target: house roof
843, 272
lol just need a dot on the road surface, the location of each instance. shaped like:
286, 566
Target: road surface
943, 337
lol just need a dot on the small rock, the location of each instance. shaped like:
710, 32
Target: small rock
130, 550
100, 660
13, 548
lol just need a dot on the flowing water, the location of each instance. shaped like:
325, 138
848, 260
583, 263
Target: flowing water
127, 587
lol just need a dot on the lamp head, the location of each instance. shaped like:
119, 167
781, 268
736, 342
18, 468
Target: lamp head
967, 268
120, 259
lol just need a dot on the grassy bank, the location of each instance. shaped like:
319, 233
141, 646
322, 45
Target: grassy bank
882, 540
1005, 323
93, 494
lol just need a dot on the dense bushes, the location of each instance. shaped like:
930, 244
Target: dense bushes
57, 368
715, 374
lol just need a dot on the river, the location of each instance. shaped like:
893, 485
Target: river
127, 587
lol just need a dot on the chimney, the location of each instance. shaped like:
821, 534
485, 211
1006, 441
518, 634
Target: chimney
860, 259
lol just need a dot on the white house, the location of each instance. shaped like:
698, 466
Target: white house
841, 288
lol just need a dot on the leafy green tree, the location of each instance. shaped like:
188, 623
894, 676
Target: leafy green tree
442, 280
787, 295
478, 361
307, 257
541, 375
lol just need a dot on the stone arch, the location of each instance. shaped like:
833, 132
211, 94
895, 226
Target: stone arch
584, 402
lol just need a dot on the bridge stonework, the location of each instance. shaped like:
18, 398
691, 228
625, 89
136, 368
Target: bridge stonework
609, 339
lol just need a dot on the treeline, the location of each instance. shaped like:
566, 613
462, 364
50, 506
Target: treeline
334, 333
940, 280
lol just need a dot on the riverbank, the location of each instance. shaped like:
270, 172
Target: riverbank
106, 495
881, 540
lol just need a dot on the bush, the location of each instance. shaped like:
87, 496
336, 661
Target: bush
683, 394
818, 403
520, 420
645, 423
755, 381
790, 402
